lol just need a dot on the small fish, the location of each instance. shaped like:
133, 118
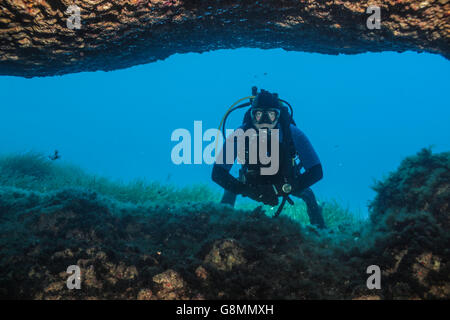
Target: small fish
55, 156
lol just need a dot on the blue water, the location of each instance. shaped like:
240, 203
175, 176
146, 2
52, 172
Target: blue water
363, 113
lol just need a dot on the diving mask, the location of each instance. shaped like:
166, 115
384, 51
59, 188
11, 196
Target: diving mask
265, 117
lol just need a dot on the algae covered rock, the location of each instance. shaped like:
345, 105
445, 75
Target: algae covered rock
202, 250
225, 255
170, 285
145, 294
411, 227
420, 184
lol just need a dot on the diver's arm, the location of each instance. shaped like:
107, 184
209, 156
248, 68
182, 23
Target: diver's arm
309, 177
223, 178
261, 193
310, 160
221, 171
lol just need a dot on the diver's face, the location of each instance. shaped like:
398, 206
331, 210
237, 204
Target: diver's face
265, 118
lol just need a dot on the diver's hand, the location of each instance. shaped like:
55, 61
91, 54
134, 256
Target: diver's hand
262, 193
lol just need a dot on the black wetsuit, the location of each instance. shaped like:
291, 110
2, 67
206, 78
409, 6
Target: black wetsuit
312, 173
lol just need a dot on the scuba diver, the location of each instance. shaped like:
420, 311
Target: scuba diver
266, 113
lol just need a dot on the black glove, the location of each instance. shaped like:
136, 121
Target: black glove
261, 193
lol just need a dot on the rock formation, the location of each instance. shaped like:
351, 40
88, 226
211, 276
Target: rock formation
35, 38
151, 251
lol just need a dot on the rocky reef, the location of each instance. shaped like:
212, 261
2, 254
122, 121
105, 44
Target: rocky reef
203, 250
35, 39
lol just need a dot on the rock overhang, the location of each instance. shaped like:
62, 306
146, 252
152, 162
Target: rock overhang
36, 39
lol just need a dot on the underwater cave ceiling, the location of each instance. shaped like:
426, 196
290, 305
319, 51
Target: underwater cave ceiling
35, 39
